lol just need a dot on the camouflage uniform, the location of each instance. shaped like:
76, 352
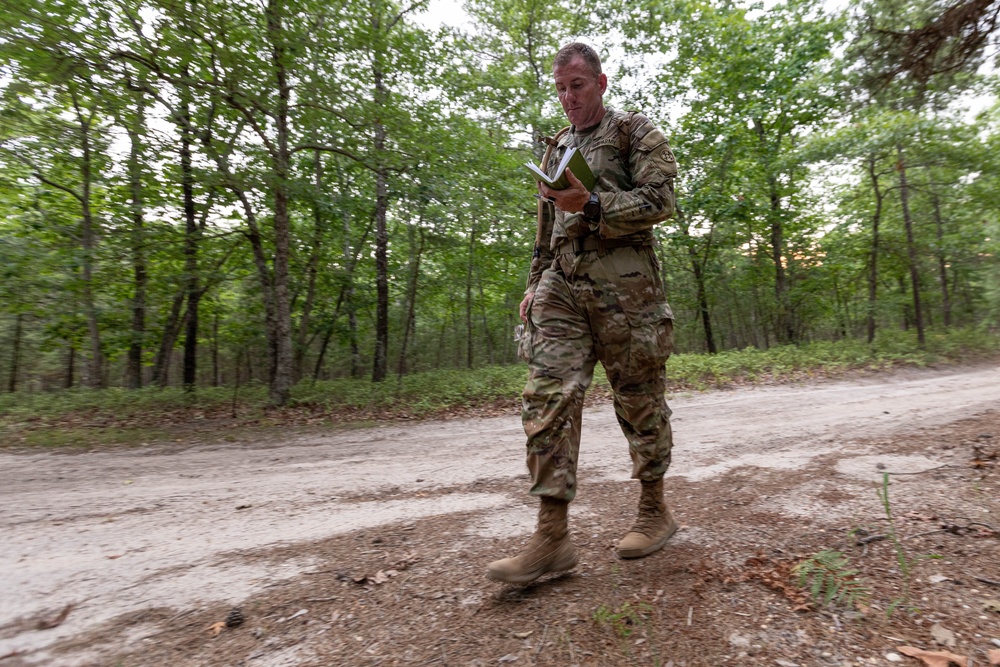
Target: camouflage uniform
598, 296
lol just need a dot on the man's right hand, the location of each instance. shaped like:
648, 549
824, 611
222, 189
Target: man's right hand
525, 302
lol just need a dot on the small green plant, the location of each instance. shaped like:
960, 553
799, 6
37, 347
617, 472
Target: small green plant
902, 560
830, 580
624, 620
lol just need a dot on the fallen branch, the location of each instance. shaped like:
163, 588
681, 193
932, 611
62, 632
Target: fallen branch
929, 532
921, 472
57, 621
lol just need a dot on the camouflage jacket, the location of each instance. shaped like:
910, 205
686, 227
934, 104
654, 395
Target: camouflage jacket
635, 172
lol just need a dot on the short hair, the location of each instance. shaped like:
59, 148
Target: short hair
568, 53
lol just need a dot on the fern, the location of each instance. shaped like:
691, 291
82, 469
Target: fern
829, 579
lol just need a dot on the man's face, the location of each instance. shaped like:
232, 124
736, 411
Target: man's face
580, 92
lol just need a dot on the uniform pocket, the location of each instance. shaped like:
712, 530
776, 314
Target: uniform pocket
651, 337
524, 344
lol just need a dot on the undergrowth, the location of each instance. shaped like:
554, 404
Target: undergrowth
448, 392
830, 580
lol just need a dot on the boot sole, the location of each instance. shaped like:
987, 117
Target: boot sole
652, 548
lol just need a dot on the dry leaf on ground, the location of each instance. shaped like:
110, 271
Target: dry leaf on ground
935, 658
778, 576
216, 628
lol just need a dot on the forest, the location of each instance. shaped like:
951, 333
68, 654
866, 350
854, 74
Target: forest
203, 193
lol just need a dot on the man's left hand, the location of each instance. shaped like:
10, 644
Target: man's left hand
570, 200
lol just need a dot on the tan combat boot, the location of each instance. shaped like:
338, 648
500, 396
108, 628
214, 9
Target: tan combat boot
548, 550
653, 527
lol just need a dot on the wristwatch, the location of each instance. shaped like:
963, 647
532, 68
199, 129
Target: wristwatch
592, 209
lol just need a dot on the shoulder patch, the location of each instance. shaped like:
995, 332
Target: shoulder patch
654, 139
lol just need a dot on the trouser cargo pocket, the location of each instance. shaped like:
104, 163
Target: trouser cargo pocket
651, 337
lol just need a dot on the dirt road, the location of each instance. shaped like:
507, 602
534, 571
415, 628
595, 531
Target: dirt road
114, 532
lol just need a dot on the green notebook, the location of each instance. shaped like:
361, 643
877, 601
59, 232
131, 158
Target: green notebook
575, 162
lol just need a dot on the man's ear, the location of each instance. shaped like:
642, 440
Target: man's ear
603, 80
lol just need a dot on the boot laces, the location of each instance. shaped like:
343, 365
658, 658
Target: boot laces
652, 516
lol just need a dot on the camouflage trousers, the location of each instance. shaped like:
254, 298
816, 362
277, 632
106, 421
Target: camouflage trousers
606, 306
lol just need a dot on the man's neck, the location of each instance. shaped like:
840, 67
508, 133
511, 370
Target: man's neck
592, 127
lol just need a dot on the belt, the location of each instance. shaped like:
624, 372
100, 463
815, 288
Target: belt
588, 243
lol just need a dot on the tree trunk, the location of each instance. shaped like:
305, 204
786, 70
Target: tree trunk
352, 333
840, 308
70, 366
15, 353
171, 329
484, 316
698, 268
281, 385
312, 269
439, 351
140, 277
192, 240
784, 328
351, 256
411, 293
380, 367
873, 256
468, 297
328, 333
216, 371
911, 246
942, 263
88, 236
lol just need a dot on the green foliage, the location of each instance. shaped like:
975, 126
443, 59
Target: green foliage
824, 357
420, 393
433, 393
903, 560
624, 619
830, 580
787, 167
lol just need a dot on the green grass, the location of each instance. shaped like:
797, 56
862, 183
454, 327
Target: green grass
76, 416
68, 438
788, 362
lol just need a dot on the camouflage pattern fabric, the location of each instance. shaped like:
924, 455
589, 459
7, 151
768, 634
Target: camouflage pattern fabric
604, 305
635, 171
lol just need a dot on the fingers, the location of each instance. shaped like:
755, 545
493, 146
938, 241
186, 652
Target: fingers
524, 307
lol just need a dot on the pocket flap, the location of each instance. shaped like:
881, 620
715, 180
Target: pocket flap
653, 313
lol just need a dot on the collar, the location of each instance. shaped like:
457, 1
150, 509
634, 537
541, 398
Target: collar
570, 137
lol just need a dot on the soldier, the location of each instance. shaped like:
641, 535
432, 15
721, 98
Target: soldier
595, 294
